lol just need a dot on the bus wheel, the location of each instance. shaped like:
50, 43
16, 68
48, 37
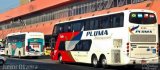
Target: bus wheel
103, 62
35, 57
95, 62
60, 59
8, 54
19, 56
1, 62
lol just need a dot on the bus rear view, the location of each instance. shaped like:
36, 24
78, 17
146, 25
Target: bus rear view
143, 38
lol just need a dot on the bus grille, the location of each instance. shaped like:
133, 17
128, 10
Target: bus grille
115, 56
143, 38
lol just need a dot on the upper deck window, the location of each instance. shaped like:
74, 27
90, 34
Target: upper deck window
142, 18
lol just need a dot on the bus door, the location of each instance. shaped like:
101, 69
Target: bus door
82, 48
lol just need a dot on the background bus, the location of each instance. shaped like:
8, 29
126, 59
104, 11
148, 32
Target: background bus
23, 44
120, 38
2, 47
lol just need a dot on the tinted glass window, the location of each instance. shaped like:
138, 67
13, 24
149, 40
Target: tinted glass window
55, 29
92, 24
76, 26
96, 24
62, 45
83, 45
67, 28
118, 20
106, 22
16, 38
142, 18
87, 24
58, 29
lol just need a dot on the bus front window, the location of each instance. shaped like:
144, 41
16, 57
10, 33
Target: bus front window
142, 18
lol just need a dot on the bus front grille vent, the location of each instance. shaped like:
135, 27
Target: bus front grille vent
115, 56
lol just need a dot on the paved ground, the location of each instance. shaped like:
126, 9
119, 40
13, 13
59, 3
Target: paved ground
45, 63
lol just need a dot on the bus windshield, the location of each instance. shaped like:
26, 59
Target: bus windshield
142, 18
16, 38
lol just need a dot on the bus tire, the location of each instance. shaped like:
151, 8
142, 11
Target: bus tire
60, 59
19, 55
103, 62
2, 62
94, 61
8, 55
35, 57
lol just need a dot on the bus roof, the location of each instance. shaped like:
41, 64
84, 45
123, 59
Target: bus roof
18, 33
131, 10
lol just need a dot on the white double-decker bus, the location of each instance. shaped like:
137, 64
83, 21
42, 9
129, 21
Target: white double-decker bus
119, 38
22, 44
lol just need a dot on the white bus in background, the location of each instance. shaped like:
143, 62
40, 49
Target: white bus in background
2, 47
119, 38
22, 44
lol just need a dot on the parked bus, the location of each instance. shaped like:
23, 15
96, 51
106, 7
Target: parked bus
119, 38
2, 47
22, 44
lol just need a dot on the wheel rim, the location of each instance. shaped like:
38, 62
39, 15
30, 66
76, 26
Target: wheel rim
19, 55
103, 62
95, 61
1, 62
60, 59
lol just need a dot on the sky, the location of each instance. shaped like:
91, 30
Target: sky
8, 4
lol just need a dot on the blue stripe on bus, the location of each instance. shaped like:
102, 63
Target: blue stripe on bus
78, 37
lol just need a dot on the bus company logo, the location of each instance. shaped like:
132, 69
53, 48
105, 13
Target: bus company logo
14, 46
131, 29
97, 33
61, 36
143, 31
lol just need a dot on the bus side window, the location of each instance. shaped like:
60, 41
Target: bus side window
118, 20
76, 26
86, 45
78, 46
83, 45
110, 21
92, 24
104, 24
55, 29
66, 28
100, 26
96, 24
87, 25
61, 29
82, 25
61, 45
121, 19
69, 28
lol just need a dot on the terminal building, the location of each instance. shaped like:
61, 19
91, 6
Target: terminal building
42, 15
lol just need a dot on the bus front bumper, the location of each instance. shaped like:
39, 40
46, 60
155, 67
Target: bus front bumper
144, 61
35, 54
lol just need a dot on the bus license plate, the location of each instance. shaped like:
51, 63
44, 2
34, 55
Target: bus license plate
143, 62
